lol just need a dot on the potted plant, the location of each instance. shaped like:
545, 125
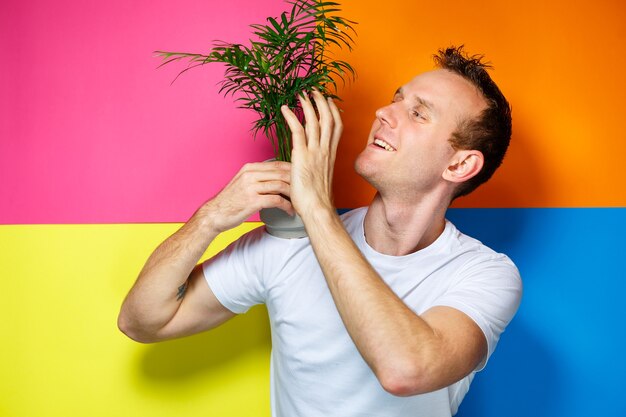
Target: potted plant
290, 54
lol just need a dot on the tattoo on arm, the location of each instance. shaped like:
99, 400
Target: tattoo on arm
181, 291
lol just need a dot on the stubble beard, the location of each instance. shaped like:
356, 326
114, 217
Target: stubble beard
366, 172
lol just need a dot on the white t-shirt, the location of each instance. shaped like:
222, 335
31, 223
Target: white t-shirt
316, 369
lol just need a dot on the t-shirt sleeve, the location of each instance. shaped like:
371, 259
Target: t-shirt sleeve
235, 275
489, 291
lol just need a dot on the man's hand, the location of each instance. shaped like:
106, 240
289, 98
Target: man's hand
313, 155
255, 186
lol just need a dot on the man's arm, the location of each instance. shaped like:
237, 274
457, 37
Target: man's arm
409, 353
170, 297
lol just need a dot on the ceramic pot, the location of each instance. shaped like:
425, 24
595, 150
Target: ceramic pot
280, 224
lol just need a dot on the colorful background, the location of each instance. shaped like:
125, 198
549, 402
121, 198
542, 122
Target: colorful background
101, 159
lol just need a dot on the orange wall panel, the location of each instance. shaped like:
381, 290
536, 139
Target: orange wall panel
559, 63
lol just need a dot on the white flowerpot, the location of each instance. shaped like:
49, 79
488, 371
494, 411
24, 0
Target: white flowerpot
280, 224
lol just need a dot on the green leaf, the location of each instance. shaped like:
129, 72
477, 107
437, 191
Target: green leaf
283, 18
274, 23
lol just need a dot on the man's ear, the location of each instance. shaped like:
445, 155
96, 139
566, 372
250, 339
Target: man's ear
465, 165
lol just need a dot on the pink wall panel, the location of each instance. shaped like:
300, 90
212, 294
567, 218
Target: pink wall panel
91, 132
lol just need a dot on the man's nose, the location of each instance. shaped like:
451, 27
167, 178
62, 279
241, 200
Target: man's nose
385, 115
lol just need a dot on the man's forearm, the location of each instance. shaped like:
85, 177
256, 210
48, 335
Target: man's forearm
388, 334
161, 285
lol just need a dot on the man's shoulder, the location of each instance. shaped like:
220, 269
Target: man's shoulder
352, 217
348, 214
476, 254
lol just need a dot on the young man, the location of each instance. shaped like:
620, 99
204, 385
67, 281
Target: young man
387, 310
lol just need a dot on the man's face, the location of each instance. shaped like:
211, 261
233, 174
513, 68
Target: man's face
407, 149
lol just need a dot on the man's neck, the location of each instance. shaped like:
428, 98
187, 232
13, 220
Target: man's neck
395, 227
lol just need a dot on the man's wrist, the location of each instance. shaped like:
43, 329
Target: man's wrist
319, 215
206, 218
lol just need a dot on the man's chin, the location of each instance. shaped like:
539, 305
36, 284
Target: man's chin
358, 164
363, 167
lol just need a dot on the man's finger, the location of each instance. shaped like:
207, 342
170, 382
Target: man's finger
337, 123
311, 125
297, 131
266, 166
271, 201
325, 121
273, 187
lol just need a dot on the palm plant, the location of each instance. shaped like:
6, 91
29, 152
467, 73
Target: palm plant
290, 55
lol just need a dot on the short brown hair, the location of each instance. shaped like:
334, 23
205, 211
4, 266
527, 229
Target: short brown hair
490, 132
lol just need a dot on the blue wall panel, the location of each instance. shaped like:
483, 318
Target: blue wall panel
563, 354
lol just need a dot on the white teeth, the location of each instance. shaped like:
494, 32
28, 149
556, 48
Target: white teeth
384, 144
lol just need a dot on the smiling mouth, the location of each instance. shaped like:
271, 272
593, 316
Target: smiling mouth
384, 145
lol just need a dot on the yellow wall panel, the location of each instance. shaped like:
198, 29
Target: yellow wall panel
62, 354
